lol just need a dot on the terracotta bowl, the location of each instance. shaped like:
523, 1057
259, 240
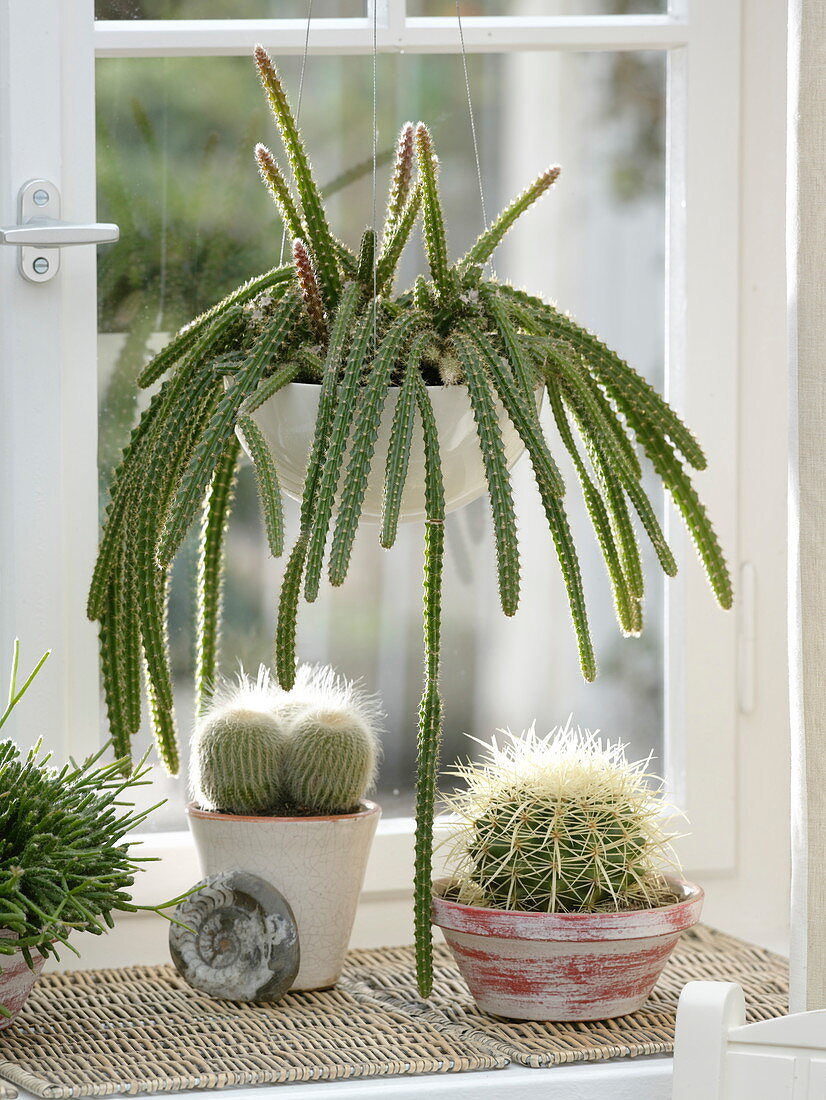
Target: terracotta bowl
16, 981
564, 966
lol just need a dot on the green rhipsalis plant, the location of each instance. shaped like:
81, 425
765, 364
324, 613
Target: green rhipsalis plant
64, 864
559, 824
332, 317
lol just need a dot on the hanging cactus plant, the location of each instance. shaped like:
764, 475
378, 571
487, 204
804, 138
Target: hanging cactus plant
332, 317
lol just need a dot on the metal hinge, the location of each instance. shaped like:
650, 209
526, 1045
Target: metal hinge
40, 233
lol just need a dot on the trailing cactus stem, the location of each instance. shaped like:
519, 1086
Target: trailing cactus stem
210, 574
396, 240
366, 271
186, 338
401, 437
221, 426
430, 735
434, 224
402, 175
341, 332
266, 479
489, 241
598, 512
346, 395
498, 478
368, 419
277, 185
286, 625
309, 290
319, 236
430, 710
270, 386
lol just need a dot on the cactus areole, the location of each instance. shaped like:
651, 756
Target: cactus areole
332, 316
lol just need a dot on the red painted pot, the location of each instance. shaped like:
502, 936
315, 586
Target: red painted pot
564, 966
16, 982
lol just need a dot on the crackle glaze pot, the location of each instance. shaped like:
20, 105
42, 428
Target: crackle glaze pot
287, 420
317, 863
564, 966
16, 980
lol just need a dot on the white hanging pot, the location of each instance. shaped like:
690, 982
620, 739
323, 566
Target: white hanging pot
288, 418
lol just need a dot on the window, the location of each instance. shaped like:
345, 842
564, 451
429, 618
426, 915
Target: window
642, 108
174, 166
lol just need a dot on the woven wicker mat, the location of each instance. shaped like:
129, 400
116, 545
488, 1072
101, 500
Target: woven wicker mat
700, 954
143, 1029
103, 1032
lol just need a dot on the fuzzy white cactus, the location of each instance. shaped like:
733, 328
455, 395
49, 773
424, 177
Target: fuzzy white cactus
333, 740
237, 749
261, 750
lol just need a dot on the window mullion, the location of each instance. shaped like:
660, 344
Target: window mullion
236, 37
702, 351
392, 16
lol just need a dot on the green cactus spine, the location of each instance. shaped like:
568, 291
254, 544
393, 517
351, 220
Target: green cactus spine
237, 751
560, 824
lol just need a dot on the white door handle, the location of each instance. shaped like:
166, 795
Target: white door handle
39, 229
53, 233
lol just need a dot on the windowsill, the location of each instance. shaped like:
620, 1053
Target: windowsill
631, 1079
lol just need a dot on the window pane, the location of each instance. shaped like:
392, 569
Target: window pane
176, 172
228, 9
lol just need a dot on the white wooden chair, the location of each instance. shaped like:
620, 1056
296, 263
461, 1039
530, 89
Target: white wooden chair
717, 1056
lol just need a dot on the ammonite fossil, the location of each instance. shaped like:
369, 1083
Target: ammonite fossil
236, 939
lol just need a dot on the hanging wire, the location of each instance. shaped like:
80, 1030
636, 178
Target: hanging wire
375, 166
472, 122
164, 235
298, 108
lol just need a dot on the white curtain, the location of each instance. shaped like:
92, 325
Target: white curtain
807, 582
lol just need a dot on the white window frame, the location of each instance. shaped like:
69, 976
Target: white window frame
49, 507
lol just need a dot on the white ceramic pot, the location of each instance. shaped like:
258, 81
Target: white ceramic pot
564, 966
317, 863
288, 418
